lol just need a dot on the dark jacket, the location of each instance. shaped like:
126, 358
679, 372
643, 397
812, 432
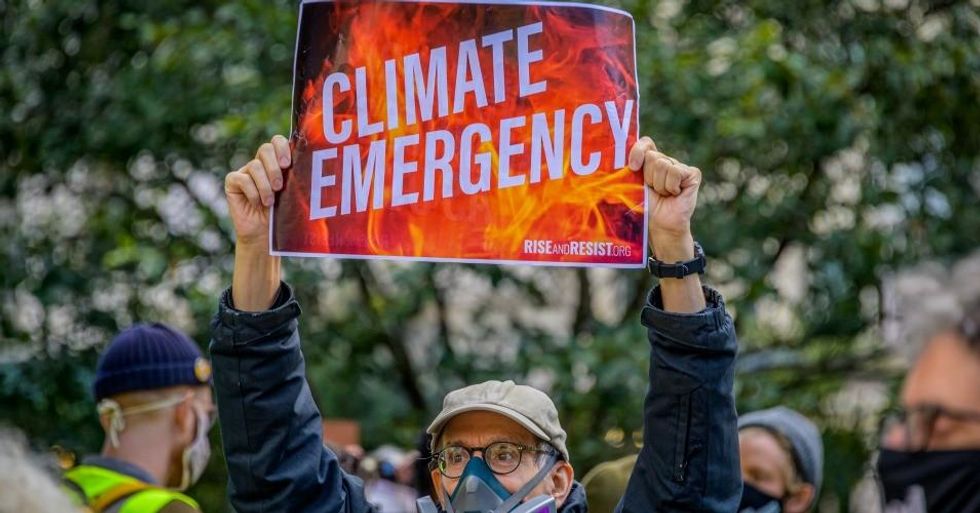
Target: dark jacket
273, 443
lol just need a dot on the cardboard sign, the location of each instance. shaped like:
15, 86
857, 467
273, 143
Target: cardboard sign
463, 131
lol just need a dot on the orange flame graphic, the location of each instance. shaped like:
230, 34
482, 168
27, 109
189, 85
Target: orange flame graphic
587, 59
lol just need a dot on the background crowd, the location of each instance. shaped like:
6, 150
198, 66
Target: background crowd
841, 150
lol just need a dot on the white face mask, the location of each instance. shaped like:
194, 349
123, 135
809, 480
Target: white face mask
196, 455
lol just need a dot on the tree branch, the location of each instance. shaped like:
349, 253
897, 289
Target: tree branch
584, 320
403, 364
454, 362
213, 217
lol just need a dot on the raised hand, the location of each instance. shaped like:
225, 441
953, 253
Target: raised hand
251, 190
673, 198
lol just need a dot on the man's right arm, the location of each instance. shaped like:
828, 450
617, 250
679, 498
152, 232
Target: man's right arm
270, 426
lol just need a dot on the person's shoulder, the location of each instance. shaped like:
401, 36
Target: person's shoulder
179, 507
162, 500
618, 469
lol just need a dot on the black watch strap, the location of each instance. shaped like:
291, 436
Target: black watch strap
679, 269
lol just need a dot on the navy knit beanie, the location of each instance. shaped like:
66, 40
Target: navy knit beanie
149, 357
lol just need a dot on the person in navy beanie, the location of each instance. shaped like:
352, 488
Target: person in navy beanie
153, 389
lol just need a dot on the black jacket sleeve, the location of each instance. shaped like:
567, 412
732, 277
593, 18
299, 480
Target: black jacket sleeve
270, 426
689, 461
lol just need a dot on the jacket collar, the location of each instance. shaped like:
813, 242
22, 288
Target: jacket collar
120, 466
575, 503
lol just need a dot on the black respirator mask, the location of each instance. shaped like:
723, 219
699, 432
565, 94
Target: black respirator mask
933, 481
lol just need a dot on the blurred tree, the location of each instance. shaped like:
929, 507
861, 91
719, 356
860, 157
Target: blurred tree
839, 141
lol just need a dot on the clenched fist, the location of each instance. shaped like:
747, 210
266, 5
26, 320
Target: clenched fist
673, 196
252, 189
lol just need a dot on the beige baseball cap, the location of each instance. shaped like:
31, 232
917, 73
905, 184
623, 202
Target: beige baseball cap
528, 406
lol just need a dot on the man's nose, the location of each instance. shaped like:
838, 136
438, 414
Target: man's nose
895, 438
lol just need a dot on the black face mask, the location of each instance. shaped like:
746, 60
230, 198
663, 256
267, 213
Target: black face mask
756, 501
933, 481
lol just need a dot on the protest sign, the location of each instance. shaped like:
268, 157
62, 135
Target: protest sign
463, 131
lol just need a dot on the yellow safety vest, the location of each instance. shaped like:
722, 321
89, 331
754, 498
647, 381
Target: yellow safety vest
103, 488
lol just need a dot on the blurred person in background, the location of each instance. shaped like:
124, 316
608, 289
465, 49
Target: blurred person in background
930, 449
606, 483
25, 487
152, 386
781, 454
389, 488
496, 443
350, 456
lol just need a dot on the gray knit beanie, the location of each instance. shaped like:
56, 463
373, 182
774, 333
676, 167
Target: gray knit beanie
802, 435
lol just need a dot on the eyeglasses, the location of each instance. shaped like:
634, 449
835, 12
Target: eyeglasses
502, 458
912, 427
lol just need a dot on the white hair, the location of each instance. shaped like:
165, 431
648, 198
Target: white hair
24, 485
928, 299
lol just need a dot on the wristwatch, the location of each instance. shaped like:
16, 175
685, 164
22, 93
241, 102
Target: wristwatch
679, 269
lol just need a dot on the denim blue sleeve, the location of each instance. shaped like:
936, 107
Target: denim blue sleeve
270, 426
689, 461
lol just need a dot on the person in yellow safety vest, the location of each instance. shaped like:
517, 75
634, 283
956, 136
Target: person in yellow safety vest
153, 389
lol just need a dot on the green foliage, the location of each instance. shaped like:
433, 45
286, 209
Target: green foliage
843, 134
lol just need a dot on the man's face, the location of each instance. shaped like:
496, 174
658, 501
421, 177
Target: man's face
479, 429
768, 466
946, 375
765, 465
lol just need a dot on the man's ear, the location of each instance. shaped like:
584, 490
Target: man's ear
185, 420
800, 500
562, 478
438, 488
104, 422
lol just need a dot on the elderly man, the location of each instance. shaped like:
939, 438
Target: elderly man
497, 446
930, 450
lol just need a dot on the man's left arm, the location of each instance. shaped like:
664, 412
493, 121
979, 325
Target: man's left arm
689, 460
